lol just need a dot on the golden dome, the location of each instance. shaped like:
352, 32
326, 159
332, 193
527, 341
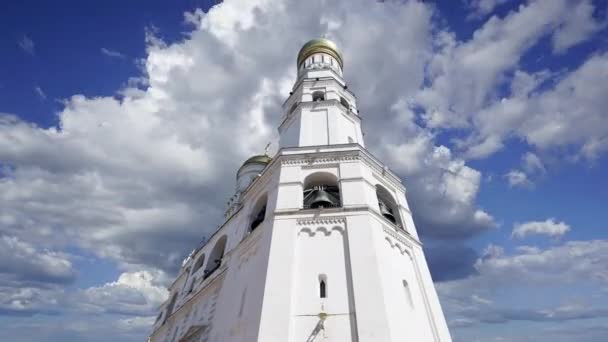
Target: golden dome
264, 159
259, 159
319, 45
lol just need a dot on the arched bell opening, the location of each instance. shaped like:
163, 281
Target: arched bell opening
321, 190
344, 102
171, 306
258, 213
216, 256
318, 96
199, 263
388, 206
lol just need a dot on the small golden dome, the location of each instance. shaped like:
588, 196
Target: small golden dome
259, 159
319, 45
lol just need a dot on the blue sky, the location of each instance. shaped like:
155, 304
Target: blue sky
114, 118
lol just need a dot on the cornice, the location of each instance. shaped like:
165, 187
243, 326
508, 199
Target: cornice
322, 220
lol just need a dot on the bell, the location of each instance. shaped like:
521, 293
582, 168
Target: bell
321, 199
386, 212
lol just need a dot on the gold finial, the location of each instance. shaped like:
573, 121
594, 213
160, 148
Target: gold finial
266, 149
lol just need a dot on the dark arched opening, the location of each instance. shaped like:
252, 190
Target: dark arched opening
216, 256
321, 191
259, 213
387, 205
318, 96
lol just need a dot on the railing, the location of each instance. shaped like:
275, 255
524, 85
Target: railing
209, 272
308, 206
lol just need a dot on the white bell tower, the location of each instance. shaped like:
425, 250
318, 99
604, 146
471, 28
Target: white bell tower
318, 242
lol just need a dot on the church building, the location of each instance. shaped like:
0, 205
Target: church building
318, 242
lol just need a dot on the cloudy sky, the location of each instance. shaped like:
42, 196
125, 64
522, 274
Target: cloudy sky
119, 122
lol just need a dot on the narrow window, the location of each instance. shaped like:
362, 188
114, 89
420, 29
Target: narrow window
322, 286
243, 297
408, 294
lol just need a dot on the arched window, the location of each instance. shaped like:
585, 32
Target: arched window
321, 191
199, 263
344, 102
318, 96
259, 213
388, 207
192, 284
216, 256
170, 306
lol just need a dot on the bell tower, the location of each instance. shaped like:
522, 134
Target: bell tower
320, 109
318, 242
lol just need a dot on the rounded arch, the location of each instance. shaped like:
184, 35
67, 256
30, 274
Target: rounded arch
388, 206
199, 263
321, 190
171, 306
216, 256
258, 212
344, 102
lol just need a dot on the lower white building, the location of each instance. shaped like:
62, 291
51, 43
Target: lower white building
318, 243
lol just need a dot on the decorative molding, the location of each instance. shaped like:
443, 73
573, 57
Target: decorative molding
324, 220
392, 233
323, 230
402, 250
330, 159
319, 166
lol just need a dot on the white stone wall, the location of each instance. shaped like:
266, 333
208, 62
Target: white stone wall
267, 288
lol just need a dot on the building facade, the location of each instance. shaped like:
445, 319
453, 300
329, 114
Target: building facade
318, 242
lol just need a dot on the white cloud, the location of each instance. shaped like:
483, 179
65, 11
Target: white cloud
517, 178
532, 163
532, 167
553, 276
112, 53
484, 7
549, 227
27, 45
40, 93
133, 293
22, 263
464, 77
578, 26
